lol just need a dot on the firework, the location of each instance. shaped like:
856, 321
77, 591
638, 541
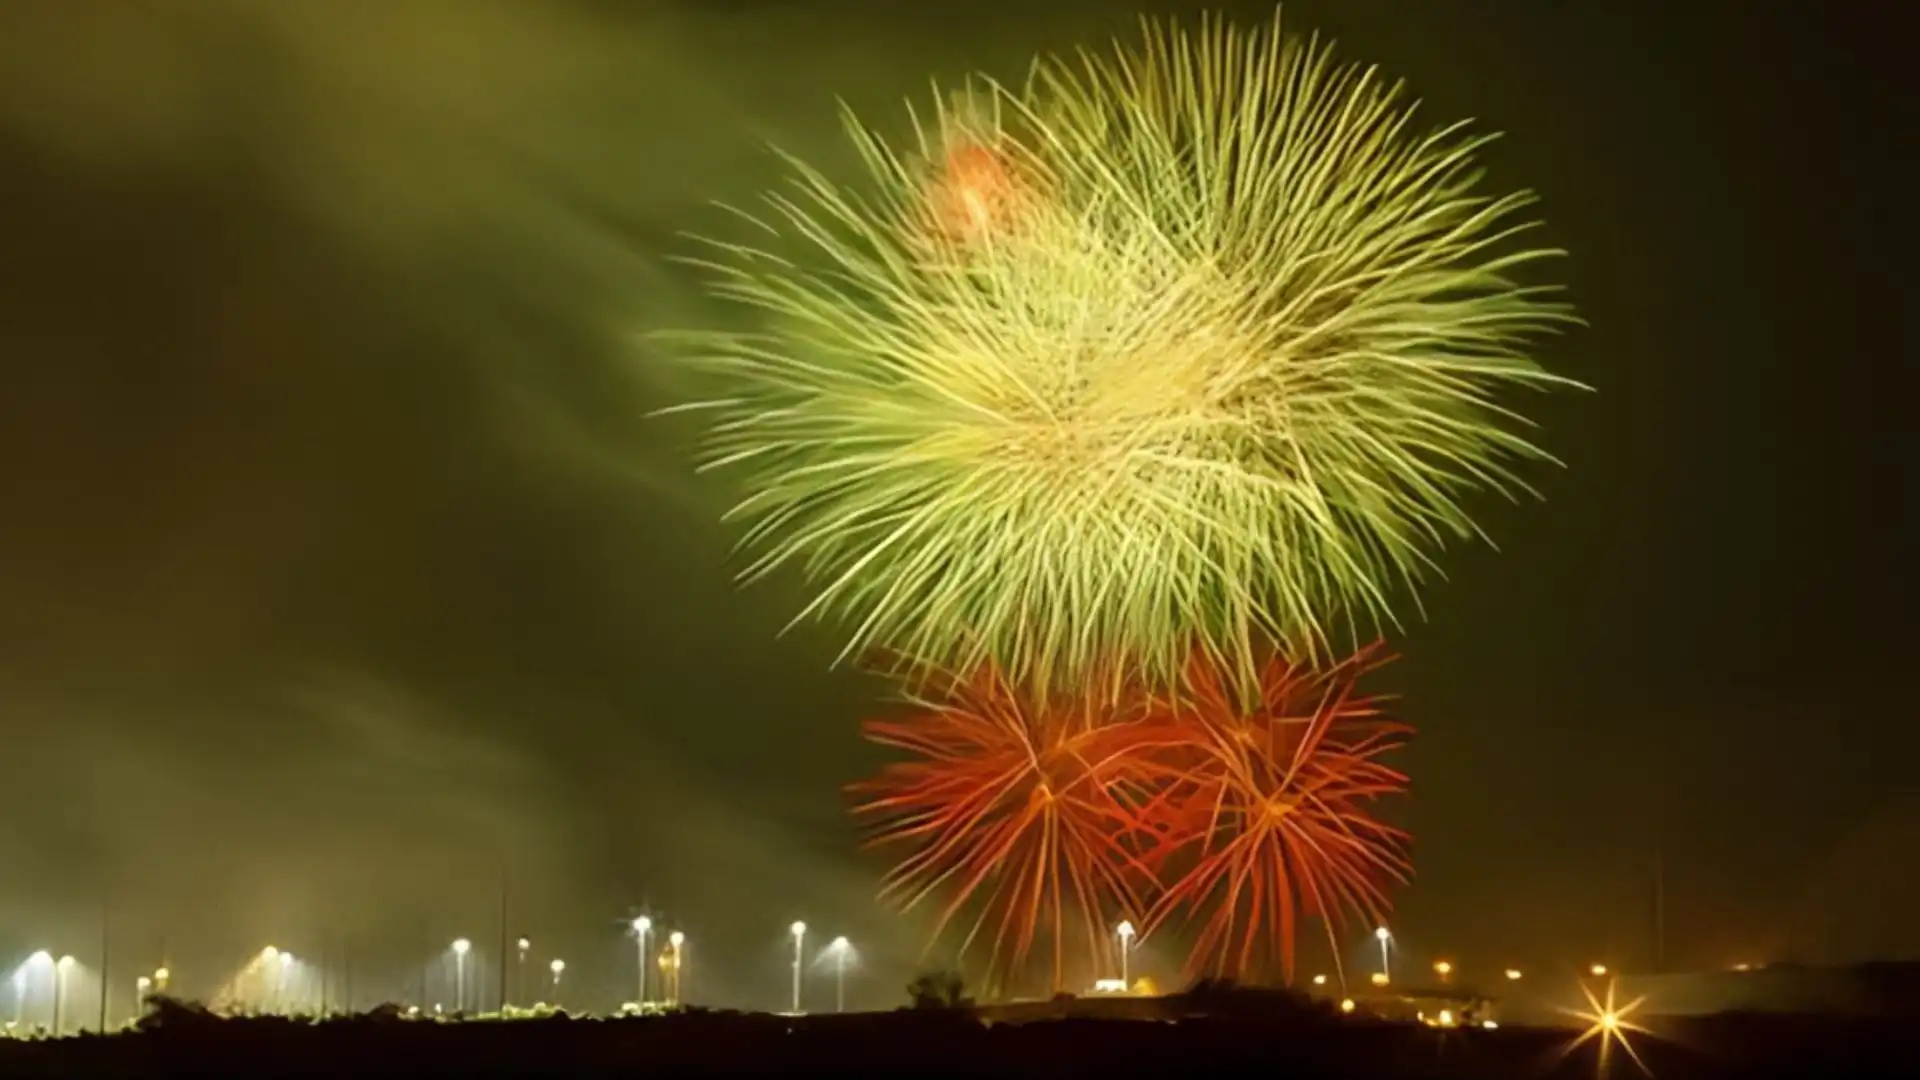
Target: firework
1266, 813
1051, 823
1196, 346
1019, 814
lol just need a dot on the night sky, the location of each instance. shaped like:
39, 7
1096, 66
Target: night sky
342, 572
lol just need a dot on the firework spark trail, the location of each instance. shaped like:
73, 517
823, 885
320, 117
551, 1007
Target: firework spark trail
1195, 346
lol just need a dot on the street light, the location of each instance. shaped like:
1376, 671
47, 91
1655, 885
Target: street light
520, 966
1513, 974
1598, 971
799, 944
1385, 938
1125, 931
642, 927
669, 977
677, 940
141, 987
557, 967
160, 977
461, 946
1443, 968
839, 948
60, 992
42, 960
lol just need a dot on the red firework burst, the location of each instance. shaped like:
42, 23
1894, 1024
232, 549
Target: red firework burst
1051, 822
1023, 814
1263, 811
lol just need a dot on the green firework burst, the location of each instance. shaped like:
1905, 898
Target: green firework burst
1197, 343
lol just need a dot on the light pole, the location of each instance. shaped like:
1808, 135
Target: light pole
41, 961
1444, 969
642, 929
677, 940
799, 947
60, 993
1125, 932
461, 946
557, 967
1385, 938
520, 966
141, 987
263, 969
840, 948
160, 977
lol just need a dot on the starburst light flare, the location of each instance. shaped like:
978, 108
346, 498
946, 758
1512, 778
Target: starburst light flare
1607, 1024
1194, 345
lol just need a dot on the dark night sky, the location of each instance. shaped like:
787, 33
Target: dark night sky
340, 568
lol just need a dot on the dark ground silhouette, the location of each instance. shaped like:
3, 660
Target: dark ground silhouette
1292, 1041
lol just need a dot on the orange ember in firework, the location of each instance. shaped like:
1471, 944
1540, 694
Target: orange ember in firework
974, 194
